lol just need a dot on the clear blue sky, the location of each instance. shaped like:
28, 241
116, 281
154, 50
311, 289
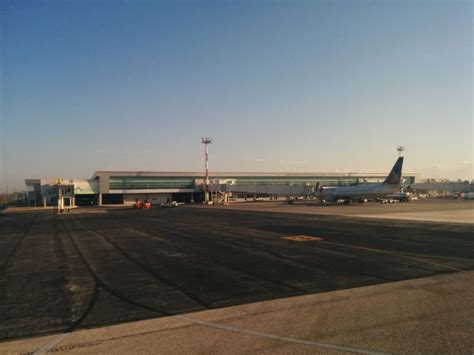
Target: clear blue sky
280, 86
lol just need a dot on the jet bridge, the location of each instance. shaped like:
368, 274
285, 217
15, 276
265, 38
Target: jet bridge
220, 192
268, 189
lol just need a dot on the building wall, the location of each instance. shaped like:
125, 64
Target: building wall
160, 186
454, 187
104, 184
85, 187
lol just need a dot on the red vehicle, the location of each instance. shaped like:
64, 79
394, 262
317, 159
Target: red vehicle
145, 205
137, 204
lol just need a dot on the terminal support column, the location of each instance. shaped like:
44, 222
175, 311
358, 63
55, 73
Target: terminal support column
100, 200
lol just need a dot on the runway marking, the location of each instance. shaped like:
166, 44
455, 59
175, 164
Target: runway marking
137, 232
301, 238
400, 255
277, 337
75, 211
51, 344
436, 256
56, 340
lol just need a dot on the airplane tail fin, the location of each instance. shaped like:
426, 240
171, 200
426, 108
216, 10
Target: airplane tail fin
395, 176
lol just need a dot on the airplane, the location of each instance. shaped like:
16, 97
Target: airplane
365, 192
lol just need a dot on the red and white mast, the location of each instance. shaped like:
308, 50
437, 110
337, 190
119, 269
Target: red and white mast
206, 141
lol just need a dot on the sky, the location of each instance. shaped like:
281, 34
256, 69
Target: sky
296, 86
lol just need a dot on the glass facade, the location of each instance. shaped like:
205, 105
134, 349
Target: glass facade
150, 182
180, 182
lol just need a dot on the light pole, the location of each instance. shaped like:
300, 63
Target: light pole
206, 141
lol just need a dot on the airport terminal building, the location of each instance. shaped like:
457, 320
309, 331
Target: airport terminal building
124, 187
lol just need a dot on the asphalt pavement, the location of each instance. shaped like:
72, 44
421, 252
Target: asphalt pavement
61, 273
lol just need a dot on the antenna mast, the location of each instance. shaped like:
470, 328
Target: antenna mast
400, 149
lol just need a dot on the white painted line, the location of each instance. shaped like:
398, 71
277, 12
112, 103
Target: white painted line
277, 337
137, 232
400, 255
56, 340
51, 344
434, 216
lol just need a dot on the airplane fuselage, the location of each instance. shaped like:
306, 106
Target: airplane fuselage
357, 192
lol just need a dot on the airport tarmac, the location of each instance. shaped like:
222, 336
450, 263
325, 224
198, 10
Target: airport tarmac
430, 315
432, 210
80, 270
